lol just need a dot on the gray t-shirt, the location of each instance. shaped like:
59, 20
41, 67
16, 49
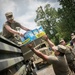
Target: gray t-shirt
6, 33
60, 65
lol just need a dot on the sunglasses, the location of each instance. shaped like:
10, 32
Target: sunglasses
9, 16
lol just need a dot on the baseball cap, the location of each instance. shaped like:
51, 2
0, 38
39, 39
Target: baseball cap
61, 48
9, 15
61, 40
72, 34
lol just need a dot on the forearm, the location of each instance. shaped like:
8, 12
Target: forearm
48, 40
40, 54
51, 44
14, 31
24, 28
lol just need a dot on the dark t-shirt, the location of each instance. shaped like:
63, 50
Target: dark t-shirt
6, 33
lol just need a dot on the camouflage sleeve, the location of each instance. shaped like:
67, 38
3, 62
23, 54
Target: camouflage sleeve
68, 49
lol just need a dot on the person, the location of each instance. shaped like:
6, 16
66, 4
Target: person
9, 27
71, 43
62, 42
58, 61
73, 53
73, 40
69, 53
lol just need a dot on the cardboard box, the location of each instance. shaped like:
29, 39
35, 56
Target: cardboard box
41, 32
33, 35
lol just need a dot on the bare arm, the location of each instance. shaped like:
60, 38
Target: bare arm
51, 44
24, 28
49, 41
12, 30
38, 53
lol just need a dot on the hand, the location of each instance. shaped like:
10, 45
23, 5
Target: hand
30, 46
28, 30
22, 35
45, 37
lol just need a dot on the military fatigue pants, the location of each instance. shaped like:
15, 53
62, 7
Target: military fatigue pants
72, 66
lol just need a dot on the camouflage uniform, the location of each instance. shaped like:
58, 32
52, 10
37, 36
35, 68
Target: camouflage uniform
69, 52
70, 56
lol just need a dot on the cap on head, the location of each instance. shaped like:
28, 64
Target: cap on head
72, 34
9, 15
61, 40
61, 48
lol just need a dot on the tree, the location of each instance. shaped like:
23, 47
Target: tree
67, 18
47, 17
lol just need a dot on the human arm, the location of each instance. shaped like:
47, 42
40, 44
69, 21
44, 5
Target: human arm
24, 28
38, 53
12, 30
51, 44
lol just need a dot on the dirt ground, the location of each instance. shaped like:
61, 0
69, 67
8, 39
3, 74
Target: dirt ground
46, 71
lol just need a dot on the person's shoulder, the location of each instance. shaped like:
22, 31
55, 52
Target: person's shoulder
68, 49
16, 22
6, 23
68, 46
52, 57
